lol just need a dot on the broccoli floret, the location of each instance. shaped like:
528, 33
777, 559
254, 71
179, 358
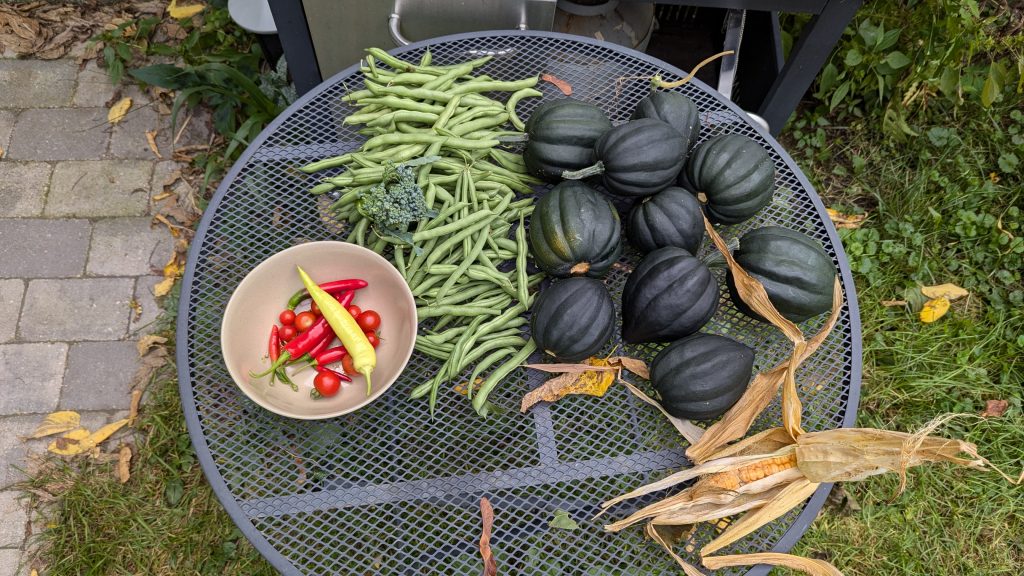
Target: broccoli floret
396, 202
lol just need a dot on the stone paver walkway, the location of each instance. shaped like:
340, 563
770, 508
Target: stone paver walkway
77, 251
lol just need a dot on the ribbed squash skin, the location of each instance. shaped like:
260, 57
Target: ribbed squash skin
574, 230
735, 173
573, 319
797, 273
671, 217
674, 109
641, 157
562, 134
700, 377
669, 295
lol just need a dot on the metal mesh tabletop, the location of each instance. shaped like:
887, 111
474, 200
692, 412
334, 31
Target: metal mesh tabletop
386, 490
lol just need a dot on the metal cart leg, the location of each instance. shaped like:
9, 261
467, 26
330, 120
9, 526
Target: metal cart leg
806, 59
293, 30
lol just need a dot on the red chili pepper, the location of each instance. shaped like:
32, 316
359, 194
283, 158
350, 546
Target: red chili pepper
330, 356
322, 345
346, 298
330, 288
344, 377
274, 346
298, 346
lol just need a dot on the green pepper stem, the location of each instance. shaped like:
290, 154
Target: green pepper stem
284, 357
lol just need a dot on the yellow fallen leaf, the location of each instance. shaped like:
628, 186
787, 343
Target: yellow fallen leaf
850, 221
118, 110
71, 443
164, 287
162, 196
151, 139
170, 227
58, 422
147, 342
593, 383
180, 12
1, 152
124, 460
947, 291
133, 408
934, 309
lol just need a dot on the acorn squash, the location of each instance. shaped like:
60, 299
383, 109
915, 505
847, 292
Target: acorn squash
562, 134
700, 377
669, 295
573, 319
674, 109
574, 231
671, 217
735, 174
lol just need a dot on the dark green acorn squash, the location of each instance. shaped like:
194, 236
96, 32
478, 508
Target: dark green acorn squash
674, 109
574, 231
671, 217
638, 158
573, 319
700, 377
669, 295
735, 174
561, 135
797, 273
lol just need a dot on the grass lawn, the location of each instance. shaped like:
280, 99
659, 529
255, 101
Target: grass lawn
934, 160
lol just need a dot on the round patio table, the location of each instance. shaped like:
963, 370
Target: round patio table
387, 490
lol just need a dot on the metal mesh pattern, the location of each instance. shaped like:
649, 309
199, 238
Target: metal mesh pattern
386, 490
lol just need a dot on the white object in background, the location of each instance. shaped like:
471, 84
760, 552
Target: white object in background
253, 15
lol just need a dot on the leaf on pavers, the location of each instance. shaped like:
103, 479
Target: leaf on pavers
173, 492
151, 140
995, 408
487, 515
563, 520
948, 291
133, 408
124, 462
70, 444
850, 221
136, 308
57, 422
172, 270
118, 110
934, 309
147, 342
181, 12
2, 152
172, 228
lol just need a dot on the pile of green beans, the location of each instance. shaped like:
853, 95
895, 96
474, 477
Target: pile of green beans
481, 194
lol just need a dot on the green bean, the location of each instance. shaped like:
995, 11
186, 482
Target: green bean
442, 337
363, 117
400, 261
474, 113
456, 226
432, 352
524, 294
415, 261
421, 287
483, 274
404, 104
484, 364
424, 171
426, 94
514, 99
478, 290
426, 59
334, 162
357, 95
349, 197
322, 188
358, 234
392, 61
513, 183
513, 328
435, 311
501, 372
494, 86
449, 111
513, 174
409, 78
476, 64
461, 268
446, 141
403, 116
443, 215
503, 160
507, 244
479, 124
454, 359
380, 244
443, 81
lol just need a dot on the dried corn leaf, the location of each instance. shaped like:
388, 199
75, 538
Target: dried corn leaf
118, 110
712, 511
947, 291
805, 565
759, 394
790, 496
57, 422
688, 569
124, 460
792, 408
634, 365
688, 429
763, 442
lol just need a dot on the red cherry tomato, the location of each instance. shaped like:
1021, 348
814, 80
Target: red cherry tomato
368, 320
287, 333
303, 320
287, 317
347, 365
355, 311
373, 339
314, 308
327, 383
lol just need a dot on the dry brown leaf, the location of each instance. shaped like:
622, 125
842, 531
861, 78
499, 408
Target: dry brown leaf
850, 221
562, 85
805, 565
133, 408
118, 110
791, 496
173, 177
948, 291
151, 140
162, 196
593, 383
934, 309
57, 422
124, 461
688, 569
147, 342
892, 303
182, 12
136, 308
2, 152
995, 408
556, 368
172, 228
634, 365
487, 515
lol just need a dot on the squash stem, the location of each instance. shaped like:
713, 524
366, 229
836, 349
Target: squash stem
584, 172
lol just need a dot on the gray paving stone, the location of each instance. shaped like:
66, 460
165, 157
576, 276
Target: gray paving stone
128, 247
128, 138
23, 188
38, 248
14, 514
99, 188
13, 447
76, 309
11, 293
10, 562
60, 134
7, 118
99, 376
31, 375
94, 88
37, 83
145, 323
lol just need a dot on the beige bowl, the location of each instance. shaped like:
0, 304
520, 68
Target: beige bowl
263, 294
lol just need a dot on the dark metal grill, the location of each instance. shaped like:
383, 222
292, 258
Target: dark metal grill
388, 491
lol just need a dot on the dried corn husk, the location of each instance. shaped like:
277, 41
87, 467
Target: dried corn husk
805, 565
